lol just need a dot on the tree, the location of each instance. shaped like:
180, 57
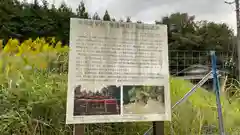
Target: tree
128, 19
36, 4
106, 16
96, 16
215, 36
45, 4
121, 20
30, 20
81, 11
184, 33
64, 9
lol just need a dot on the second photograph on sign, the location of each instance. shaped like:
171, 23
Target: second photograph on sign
141, 99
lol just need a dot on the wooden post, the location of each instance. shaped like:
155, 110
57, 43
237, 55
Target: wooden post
158, 128
78, 129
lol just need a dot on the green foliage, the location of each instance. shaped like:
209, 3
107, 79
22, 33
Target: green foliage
32, 20
144, 93
37, 106
185, 33
128, 19
32, 102
106, 16
96, 16
81, 11
24, 20
199, 113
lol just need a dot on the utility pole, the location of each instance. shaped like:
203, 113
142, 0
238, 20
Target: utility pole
238, 35
236, 2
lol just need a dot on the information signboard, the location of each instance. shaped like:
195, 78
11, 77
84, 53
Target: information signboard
118, 72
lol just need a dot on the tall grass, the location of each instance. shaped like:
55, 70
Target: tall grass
33, 98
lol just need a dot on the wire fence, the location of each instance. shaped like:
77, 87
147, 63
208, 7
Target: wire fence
182, 59
179, 60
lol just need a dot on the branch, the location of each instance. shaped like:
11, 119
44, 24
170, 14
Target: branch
12, 33
227, 2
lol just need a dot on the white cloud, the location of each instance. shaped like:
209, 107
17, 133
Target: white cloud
151, 10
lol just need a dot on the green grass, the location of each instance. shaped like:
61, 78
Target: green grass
200, 111
36, 106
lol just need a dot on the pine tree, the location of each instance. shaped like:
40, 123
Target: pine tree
128, 19
96, 16
106, 16
81, 11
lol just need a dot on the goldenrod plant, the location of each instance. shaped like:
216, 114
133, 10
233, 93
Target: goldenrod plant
33, 87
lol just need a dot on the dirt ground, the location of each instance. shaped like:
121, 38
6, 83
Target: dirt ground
152, 107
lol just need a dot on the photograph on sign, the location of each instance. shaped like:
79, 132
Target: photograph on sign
143, 100
105, 101
118, 72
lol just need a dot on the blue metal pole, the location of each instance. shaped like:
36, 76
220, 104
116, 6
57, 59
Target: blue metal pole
217, 91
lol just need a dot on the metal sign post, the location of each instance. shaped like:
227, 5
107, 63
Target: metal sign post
158, 128
217, 91
78, 129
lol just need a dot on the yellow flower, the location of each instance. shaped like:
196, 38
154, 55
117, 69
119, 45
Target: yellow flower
6, 48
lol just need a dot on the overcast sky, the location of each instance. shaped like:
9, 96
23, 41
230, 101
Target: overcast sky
151, 10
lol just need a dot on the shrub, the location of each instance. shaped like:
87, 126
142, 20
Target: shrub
33, 81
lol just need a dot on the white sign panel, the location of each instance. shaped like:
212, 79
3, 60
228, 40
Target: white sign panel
118, 72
